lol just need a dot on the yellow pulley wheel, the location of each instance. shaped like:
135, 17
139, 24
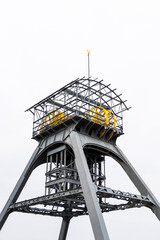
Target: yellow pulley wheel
53, 118
103, 117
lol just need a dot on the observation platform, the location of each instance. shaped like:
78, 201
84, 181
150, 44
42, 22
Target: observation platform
94, 108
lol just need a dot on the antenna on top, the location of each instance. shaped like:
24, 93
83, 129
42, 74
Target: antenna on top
88, 51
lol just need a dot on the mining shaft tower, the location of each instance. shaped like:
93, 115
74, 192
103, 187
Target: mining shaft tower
76, 128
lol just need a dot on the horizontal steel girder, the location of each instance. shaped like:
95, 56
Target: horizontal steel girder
74, 195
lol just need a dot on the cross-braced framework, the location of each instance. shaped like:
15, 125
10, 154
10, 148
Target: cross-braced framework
85, 98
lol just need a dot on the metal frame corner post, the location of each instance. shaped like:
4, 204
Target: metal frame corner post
89, 190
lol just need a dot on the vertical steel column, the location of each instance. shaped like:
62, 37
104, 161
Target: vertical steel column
89, 190
64, 228
46, 190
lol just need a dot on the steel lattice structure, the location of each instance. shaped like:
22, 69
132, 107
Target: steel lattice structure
76, 128
76, 99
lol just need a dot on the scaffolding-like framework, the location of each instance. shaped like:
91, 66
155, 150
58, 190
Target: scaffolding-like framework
83, 98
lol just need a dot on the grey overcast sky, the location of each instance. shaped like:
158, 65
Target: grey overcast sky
43, 47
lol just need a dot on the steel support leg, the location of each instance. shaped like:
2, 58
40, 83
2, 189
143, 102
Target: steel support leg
118, 155
64, 228
18, 188
89, 190
139, 183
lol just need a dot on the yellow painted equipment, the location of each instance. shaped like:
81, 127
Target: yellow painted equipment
103, 117
53, 118
96, 114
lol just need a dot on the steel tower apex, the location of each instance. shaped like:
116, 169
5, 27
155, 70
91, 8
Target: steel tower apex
86, 100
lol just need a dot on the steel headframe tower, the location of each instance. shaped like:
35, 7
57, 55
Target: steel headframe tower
77, 127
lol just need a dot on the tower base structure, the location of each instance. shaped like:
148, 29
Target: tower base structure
77, 128
87, 198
